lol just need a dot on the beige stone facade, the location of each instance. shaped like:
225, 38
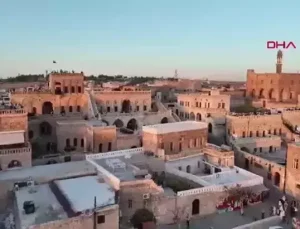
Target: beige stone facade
174, 142
123, 101
14, 123
278, 87
293, 170
86, 136
66, 83
198, 106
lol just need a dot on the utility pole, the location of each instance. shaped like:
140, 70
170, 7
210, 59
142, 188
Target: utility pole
95, 214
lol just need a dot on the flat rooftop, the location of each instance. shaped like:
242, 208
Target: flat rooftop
227, 177
174, 127
47, 208
126, 167
80, 192
49, 172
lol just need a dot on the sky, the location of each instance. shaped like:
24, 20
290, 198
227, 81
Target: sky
216, 39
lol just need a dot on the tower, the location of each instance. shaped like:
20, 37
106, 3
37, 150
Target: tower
176, 74
279, 62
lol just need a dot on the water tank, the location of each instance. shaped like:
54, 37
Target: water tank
29, 207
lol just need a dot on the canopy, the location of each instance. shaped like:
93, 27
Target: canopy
13, 137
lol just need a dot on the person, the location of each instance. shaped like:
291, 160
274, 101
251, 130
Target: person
242, 209
262, 214
188, 221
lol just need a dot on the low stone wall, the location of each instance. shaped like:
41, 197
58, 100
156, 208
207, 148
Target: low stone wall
262, 224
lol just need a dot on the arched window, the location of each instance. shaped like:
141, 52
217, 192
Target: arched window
75, 142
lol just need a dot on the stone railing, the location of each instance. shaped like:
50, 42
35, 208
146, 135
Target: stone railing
250, 115
12, 111
25, 149
255, 139
115, 182
117, 153
101, 91
183, 154
257, 159
45, 91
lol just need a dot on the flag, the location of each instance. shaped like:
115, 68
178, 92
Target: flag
54, 62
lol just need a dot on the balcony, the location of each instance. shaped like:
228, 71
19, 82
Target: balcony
15, 148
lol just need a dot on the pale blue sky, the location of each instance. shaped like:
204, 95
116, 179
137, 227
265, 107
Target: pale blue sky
201, 38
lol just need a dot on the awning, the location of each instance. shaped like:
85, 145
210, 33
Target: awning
9, 138
258, 189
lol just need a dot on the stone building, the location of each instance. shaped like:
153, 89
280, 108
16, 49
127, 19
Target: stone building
174, 138
293, 170
274, 87
86, 136
15, 149
61, 203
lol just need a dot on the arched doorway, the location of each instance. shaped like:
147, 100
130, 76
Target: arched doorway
196, 207
277, 179
177, 112
164, 120
34, 111
47, 108
270, 149
253, 93
209, 128
188, 169
261, 93
45, 128
126, 106
271, 93
14, 164
198, 116
118, 123
192, 116
132, 124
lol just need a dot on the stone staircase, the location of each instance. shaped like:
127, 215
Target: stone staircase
93, 110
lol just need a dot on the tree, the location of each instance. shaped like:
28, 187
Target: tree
141, 216
179, 214
238, 192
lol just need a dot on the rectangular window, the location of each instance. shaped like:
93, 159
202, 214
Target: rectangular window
296, 164
100, 219
82, 142
108, 109
137, 108
129, 203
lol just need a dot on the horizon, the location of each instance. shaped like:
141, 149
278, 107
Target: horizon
214, 40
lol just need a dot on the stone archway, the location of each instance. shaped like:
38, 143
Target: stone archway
283, 95
14, 164
198, 117
47, 108
192, 116
126, 106
271, 93
118, 123
261, 94
164, 120
209, 128
277, 179
132, 124
196, 207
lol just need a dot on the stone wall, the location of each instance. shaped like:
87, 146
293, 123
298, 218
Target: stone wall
269, 170
293, 170
79, 222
